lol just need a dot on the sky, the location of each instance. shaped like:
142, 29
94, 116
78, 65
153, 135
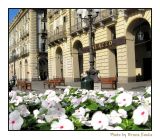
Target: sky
12, 14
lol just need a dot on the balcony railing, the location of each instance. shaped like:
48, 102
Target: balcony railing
24, 34
24, 54
13, 58
50, 13
58, 34
44, 34
77, 27
106, 14
130, 11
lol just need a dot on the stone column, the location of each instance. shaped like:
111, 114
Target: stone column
125, 52
33, 75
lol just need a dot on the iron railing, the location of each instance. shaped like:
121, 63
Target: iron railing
76, 27
57, 34
105, 14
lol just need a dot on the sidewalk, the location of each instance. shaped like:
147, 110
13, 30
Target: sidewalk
133, 86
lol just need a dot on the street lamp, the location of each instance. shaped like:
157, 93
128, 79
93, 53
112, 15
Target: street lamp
14, 59
89, 16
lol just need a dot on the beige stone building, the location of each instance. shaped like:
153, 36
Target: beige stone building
122, 44
50, 43
27, 49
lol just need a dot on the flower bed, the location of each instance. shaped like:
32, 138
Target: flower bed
77, 109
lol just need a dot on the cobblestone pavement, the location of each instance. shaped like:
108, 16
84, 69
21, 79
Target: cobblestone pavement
134, 86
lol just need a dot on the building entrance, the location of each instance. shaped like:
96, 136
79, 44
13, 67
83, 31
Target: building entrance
140, 44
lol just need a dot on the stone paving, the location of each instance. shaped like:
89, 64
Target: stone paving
134, 86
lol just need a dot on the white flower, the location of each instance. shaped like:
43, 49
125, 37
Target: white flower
100, 101
16, 100
113, 128
36, 112
109, 128
117, 128
40, 121
48, 104
30, 96
148, 90
52, 96
47, 92
124, 99
101, 92
40, 95
84, 92
79, 113
12, 94
122, 113
149, 109
67, 90
121, 89
130, 92
140, 115
99, 120
23, 110
55, 113
63, 124
15, 120
76, 101
109, 94
147, 101
114, 118
84, 98
37, 101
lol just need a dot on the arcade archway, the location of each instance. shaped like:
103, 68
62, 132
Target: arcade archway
43, 68
59, 63
140, 41
77, 60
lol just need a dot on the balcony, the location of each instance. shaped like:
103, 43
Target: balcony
106, 15
44, 34
57, 35
44, 19
127, 12
64, 11
50, 13
77, 28
24, 35
13, 58
24, 54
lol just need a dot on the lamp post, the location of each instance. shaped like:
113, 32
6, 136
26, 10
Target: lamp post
14, 73
89, 18
14, 59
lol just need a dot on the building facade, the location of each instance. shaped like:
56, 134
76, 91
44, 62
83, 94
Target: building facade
122, 44
27, 49
55, 43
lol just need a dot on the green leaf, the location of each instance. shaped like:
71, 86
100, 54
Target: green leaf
122, 125
43, 126
135, 127
128, 108
43, 111
29, 122
11, 107
114, 97
92, 106
76, 122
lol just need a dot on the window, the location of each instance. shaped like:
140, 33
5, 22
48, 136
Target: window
64, 19
113, 32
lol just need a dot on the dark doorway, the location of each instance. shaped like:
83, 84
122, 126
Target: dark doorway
147, 68
77, 60
43, 68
